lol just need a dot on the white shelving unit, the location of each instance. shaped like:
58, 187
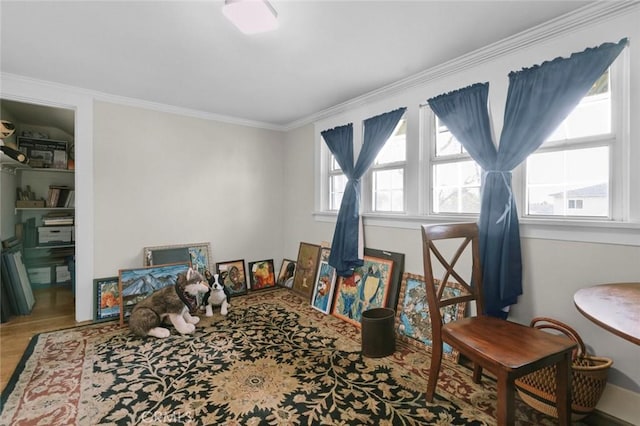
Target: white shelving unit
43, 256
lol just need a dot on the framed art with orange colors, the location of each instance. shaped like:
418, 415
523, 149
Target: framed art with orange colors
261, 274
367, 288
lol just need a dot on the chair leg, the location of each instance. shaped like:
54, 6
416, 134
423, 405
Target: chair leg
434, 371
506, 410
563, 390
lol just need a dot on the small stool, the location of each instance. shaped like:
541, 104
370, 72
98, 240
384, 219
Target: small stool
378, 332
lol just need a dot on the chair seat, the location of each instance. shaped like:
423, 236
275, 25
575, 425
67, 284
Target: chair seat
505, 344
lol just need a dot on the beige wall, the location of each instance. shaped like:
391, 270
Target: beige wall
162, 179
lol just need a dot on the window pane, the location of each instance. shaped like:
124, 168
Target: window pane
388, 190
394, 150
334, 164
591, 117
456, 187
336, 190
446, 143
569, 183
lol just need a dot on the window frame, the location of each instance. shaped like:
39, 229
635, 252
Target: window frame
368, 190
615, 140
431, 126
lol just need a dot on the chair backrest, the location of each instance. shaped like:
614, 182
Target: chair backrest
467, 287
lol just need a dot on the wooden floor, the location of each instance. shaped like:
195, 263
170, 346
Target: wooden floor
54, 309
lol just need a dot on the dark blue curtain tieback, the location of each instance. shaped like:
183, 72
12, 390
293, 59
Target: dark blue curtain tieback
507, 206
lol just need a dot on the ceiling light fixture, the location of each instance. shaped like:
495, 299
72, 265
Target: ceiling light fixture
251, 16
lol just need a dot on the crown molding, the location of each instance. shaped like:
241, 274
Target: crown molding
138, 103
565, 24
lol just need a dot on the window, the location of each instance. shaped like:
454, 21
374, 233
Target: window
337, 183
575, 204
388, 172
569, 175
455, 176
580, 185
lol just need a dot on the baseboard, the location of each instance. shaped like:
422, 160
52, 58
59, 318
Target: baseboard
621, 404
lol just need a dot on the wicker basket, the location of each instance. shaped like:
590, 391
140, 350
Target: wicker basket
588, 378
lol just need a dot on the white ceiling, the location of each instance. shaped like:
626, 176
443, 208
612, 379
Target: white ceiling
186, 54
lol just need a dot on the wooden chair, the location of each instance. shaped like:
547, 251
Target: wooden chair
507, 349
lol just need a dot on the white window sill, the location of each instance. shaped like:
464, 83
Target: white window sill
602, 232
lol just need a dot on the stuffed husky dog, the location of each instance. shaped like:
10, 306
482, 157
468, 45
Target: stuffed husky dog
217, 296
173, 302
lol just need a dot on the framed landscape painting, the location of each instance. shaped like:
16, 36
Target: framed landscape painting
136, 284
306, 269
233, 276
198, 254
322, 296
413, 323
287, 271
367, 288
107, 300
262, 275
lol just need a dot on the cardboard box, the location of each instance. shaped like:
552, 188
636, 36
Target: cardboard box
54, 234
40, 275
63, 275
22, 204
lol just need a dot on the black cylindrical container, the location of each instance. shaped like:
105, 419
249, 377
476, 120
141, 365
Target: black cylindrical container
378, 332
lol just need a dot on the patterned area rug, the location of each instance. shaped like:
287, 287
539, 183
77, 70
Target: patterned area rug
272, 361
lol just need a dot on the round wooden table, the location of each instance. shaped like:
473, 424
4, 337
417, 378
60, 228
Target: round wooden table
615, 307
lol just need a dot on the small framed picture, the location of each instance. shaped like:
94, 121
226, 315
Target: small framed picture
306, 269
322, 296
136, 284
262, 275
107, 300
287, 271
198, 254
367, 288
233, 276
413, 323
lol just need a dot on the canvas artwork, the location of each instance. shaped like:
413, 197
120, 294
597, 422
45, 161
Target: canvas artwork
198, 254
136, 284
233, 277
396, 273
107, 298
367, 288
322, 296
306, 269
287, 271
413, 323
262, 274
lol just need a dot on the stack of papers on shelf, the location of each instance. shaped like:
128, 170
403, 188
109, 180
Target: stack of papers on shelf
57, 219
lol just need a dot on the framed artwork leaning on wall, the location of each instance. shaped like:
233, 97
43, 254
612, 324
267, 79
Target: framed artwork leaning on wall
287, 271
198, 254
367, 288
262, 275
413, 323
138, 283
306, 269
233, 276
107, 298
322, 296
